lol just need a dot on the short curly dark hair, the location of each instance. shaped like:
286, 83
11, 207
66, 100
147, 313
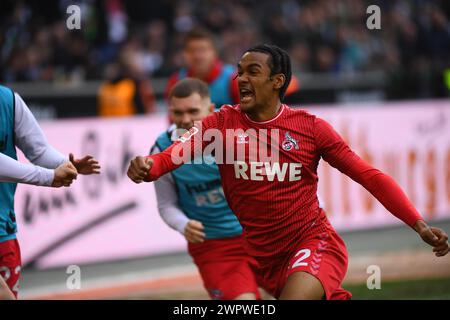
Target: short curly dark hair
279, 62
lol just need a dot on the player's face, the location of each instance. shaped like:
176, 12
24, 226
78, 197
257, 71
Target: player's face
256, 87
200, 56
184, 111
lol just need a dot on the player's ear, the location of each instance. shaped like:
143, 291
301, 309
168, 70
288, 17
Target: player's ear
278, 81
212, 107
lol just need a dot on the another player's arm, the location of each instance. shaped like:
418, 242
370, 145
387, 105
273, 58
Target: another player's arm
32, 141
170, 212
150, 168
12, 170
335, 151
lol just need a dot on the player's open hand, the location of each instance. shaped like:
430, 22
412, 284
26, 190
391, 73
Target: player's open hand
86, 165
435, 237
64, 175
194, 232
139, 168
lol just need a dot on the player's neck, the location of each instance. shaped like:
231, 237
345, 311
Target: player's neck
265, 113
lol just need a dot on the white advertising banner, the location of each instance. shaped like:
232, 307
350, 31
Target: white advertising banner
100, 217
107, 217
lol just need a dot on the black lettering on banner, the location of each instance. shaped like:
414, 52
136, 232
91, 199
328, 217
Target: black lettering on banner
91, 145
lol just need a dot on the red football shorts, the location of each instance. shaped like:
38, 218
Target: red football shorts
10, 264
225, 267
324, 256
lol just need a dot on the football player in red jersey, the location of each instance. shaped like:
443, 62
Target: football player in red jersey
299, 253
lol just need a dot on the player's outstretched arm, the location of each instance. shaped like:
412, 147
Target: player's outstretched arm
336, 152
190, 145
12, 170
151, 168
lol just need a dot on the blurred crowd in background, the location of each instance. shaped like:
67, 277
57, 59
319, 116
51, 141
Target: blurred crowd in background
145, 37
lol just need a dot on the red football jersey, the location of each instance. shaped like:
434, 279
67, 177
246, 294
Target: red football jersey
276, 200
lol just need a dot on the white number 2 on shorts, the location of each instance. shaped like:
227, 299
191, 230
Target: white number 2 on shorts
304, 254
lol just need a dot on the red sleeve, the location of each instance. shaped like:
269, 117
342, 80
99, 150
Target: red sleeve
337, 153
234, 88
181, 152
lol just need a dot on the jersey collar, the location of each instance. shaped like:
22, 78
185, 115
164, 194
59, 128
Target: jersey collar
280, 112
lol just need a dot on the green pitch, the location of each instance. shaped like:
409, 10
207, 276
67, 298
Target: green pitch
410, 289
390, 290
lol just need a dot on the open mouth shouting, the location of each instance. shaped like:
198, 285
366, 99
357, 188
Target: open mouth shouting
246, 95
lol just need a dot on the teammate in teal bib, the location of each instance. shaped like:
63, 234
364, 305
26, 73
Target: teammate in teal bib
200, 195
8, 227
191, 200
19, 128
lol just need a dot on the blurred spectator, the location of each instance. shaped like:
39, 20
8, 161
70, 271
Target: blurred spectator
116, 20
412, 46
202, 62
122, 95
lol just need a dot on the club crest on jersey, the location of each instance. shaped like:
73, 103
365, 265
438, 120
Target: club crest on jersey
289, 143
188, 134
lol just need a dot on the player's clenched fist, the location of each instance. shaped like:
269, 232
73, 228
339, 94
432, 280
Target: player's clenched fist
194, 232
64, 175
139, 168
435, 237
